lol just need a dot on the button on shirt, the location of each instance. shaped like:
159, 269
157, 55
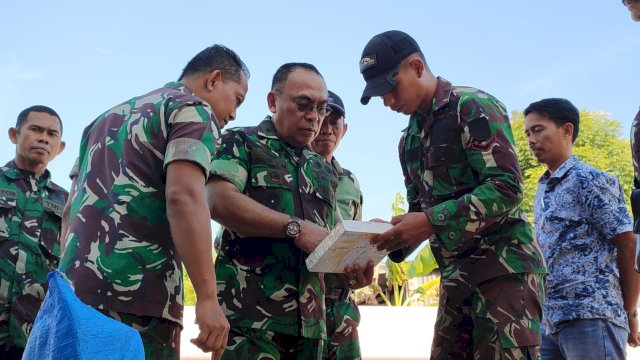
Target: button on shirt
578, 209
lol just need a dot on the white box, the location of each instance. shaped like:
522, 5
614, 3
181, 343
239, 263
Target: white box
347, 244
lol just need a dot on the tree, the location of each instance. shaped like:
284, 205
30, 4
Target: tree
599, 144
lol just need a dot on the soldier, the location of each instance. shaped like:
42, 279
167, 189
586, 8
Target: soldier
584, 229
139, 207
464, 185
342, 313
283, 197
30, 211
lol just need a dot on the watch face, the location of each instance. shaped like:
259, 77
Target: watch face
293, 228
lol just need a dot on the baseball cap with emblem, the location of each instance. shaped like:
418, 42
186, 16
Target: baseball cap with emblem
380, 61
335, 103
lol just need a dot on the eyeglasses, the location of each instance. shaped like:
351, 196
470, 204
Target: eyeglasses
306, 106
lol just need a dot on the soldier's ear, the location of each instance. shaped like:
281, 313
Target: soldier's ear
345, 127
271, 101
62, 146
13, 135
417, 65
215, 77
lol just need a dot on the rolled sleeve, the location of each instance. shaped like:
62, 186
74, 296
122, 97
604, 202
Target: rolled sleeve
231, 161
191, 136
231, 172
189, 150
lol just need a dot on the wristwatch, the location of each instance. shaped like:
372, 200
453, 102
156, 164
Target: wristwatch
293, 227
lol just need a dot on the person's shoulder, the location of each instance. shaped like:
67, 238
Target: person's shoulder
57, 188
591, 177
177, 94
244, 132
475, 98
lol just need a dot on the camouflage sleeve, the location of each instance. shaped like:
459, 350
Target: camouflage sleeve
356, 184
75, 169
635, 149
490, 149
231, 162
412, 194
191, 136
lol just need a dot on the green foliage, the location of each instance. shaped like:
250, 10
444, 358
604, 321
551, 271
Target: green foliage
189, 298
398, 274
599, 144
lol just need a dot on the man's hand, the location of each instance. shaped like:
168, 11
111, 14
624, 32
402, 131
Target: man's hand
634, 335
310, 236
356, 277
213, 325
409, 230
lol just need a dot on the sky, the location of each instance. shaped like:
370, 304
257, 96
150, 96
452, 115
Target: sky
84, 57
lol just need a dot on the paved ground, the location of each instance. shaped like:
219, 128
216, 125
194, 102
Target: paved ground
386, 333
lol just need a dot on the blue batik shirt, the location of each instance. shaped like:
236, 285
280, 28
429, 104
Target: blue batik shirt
577, 210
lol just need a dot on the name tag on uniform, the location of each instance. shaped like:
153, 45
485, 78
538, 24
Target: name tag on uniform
53, 206
8, 193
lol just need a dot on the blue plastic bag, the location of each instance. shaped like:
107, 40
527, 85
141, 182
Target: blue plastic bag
66, 328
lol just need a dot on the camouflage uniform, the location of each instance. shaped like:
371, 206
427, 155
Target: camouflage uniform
263, 283
120, 255
343, 316
461, 169
30, 218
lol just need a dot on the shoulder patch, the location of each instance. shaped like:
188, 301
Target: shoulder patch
479, 129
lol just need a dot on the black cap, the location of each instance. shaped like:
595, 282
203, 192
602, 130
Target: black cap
380, 60
335, 103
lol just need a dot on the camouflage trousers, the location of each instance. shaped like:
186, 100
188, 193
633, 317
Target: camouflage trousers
23, 284
160, 337
499, 320
259, 344
343, 318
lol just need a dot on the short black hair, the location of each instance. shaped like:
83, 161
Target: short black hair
561, 111
216, 57
24, 114
281, 75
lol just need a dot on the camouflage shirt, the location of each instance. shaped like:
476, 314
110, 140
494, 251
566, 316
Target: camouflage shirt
264, 283
348, 194
30, 218
120, 254
349, 201
461, 169
635, 149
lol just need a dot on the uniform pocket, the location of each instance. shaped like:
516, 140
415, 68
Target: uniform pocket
49, 240
452, 174
7, 212
517, 333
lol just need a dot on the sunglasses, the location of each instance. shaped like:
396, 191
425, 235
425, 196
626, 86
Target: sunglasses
306, 106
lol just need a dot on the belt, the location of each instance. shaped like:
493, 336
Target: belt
339, 294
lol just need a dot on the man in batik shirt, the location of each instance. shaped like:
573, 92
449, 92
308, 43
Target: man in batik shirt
584, 229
